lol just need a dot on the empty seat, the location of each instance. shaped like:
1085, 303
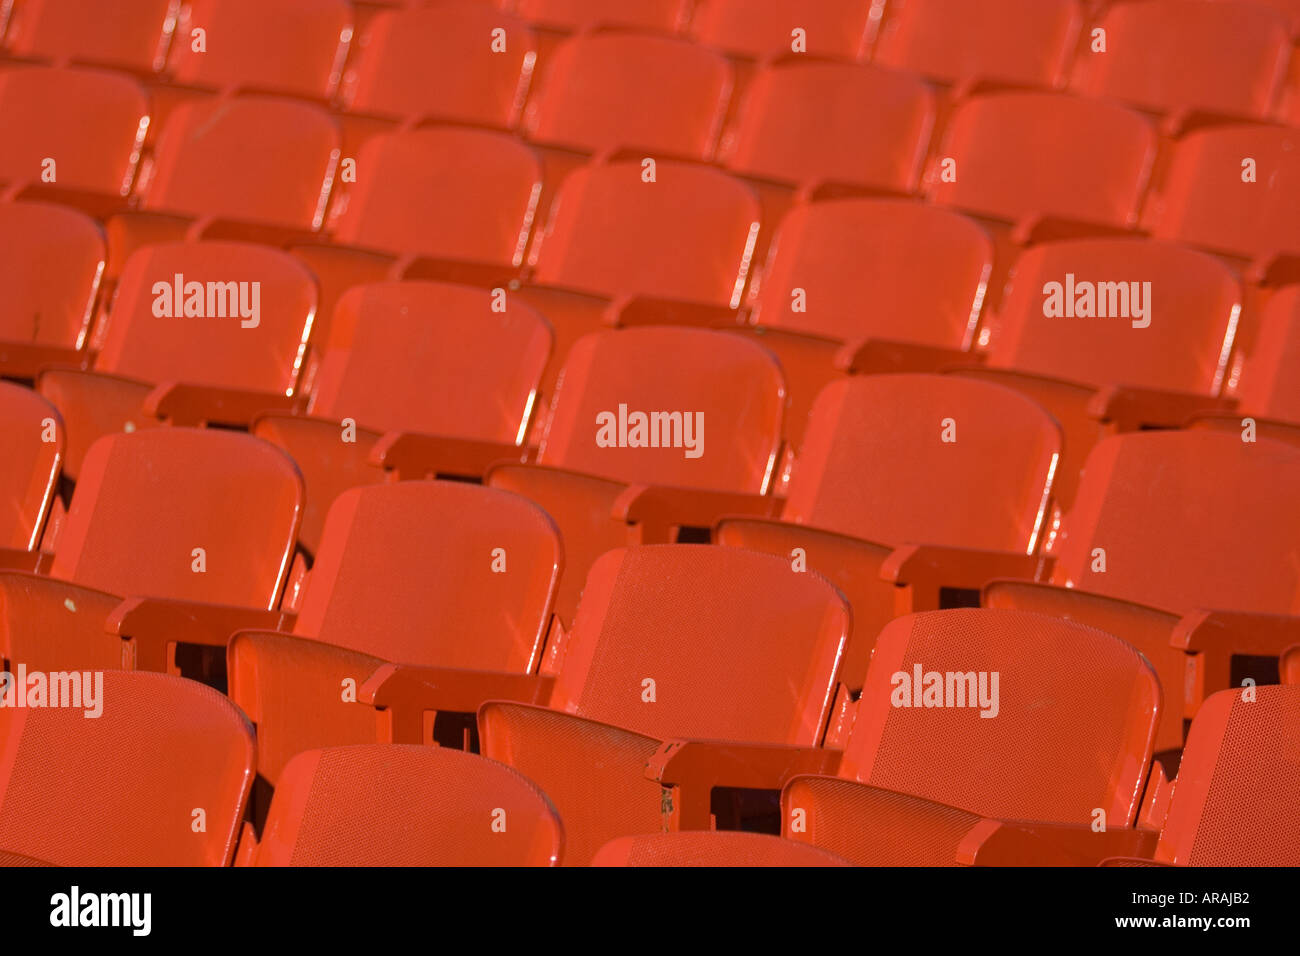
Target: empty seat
282, 46
1240, 51
71, 131
127, 33
900, 476
154, 551
1268, 385
199, 332
437, 62
703, 848
764, 28
1022, 157
1233, 190
446, 383
50, 273
675, 645
32, 436
666, 16
135, 770
815, 123
1026, 42
405, 806
1068, 743
604, 463
616, 91
418, 586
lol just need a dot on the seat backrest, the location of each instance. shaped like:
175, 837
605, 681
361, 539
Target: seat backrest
1269, 381
192, 514
1021, 155
1240, 51
437, 62
612, 91
1238, 783
390, 805
668, 406
687, 235
1007, 714
813, 122
31, 433
1185, 520
91, 123
435, 573
705, 642
1027, 42
126, 33
1212, 197
875, 268
50, 272
446, 192
123, 770
762, 28
1119, 311
256, 159
225, 314
434, 358
286, 46
711, 848
927, 459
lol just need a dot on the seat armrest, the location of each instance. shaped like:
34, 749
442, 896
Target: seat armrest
416, 455
30, 562
1212, 638
926, 569
186, 404
874, 356
652, 310
659, 508
156, 625
1129, 407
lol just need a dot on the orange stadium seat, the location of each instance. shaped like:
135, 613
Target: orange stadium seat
151, 553
433, 380
422, 807
901, 479
128, 34
763, 28
701, 848
1016, 42
1268, 380
199, 333
158, 777
32, 435
50, 274
689, 667
1070, 740
469, 627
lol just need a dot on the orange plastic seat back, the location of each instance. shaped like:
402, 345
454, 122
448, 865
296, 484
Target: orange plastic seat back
666, 16
926, 459
688, 235
1238, 783
1206, 199
1026, 155
54, 258
1185, 520
224, 314
1006, 714
436, 573
876, 268
31, 434
711, 848
811, 122
668, 406
445, 192
465, 370
761, 28
611, 91
386, 805
126, 33
705, 642
437, 62
1122, 311
252, 159
288, 46
90, 122
1269, 380
122, 773
1240, 51
192, 514
1028, 42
